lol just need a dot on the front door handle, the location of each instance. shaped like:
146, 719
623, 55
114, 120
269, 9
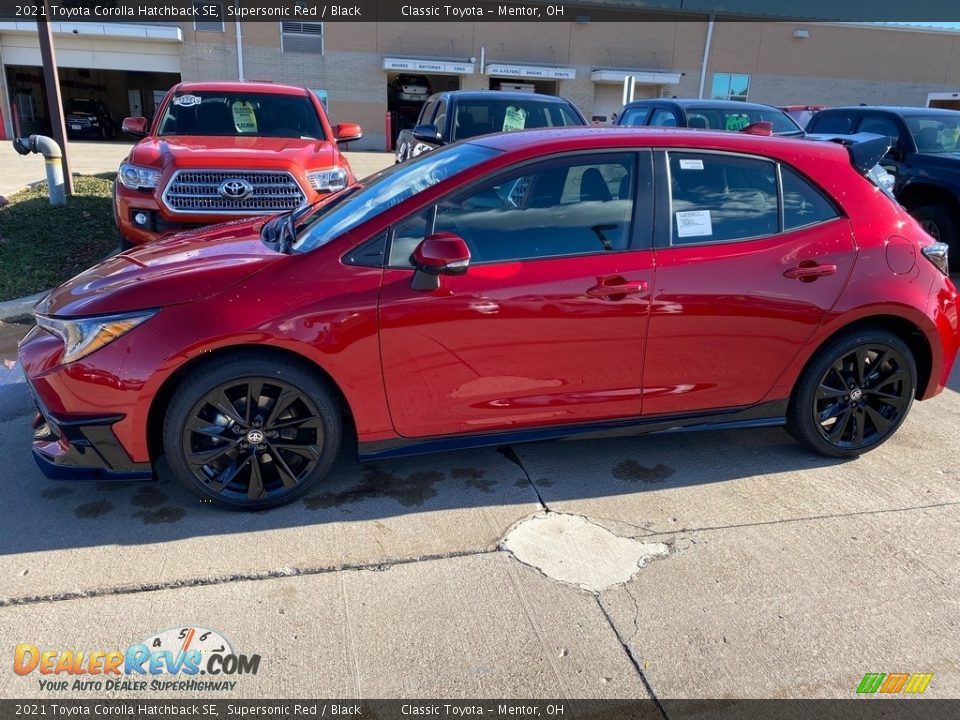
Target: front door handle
619, 289
809, 270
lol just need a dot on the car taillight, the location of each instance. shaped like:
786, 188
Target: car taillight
939, 254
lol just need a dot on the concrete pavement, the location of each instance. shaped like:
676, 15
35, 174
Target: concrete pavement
787, 575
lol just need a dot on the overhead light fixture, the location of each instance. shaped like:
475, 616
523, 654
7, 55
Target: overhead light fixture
801, 34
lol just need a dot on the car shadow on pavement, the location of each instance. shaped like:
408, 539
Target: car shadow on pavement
42, 515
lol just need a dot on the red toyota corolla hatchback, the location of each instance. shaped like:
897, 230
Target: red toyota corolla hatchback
516, 287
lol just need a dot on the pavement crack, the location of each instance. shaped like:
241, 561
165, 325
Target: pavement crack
636, 664
378, 566
807, 518
510, 454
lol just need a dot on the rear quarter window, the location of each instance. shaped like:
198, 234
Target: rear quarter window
831, 124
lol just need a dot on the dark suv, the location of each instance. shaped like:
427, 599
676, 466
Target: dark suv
456, 115
924, 158
88, 117
731, 115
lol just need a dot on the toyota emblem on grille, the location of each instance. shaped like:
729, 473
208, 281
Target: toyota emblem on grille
235, 189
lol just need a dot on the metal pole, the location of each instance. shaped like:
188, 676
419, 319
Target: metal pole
51, 82
706, 57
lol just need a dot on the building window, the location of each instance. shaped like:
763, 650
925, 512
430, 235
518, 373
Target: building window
302, 37
202, 8
730, 87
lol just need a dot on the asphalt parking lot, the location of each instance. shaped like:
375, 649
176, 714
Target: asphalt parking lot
766, 571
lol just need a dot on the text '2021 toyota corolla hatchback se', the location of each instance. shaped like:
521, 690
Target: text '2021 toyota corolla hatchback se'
525, 286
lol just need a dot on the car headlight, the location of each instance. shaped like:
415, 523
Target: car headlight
332, 179
419, 149
138, 178
82, 336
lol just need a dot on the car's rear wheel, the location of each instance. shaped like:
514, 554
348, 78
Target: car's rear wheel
939, 223
854, 394
249, 432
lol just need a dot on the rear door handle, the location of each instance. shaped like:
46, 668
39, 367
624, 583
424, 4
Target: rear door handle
634, 287
809, 270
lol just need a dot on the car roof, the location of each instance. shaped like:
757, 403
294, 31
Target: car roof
592, 136
499, 94
896, 110
226, 86
689, 102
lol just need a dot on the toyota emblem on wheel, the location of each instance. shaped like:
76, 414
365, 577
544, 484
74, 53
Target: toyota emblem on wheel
235, 189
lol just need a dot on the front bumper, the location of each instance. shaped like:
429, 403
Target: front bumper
82, 448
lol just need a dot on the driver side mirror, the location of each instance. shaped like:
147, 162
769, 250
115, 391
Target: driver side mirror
136, 126
427, 133
439, 254
347, 132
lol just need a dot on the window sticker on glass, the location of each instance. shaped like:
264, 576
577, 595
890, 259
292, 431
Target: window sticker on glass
736, 122
514, 119
691, 164
694, 223
244, 118
186, 100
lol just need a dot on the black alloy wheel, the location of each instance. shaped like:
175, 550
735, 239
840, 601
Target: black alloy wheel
854, 394
252, 434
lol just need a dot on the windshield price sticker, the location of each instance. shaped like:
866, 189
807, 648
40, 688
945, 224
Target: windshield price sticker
694, 223
244, 117
514, 119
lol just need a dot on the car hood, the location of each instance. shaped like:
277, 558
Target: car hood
183, 268
202, 151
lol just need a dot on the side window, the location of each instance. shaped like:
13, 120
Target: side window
407, 235
634, 117
663, 118
716, 198
832, 124
426, 113
881, 126
440, 119
803, 204
573, 206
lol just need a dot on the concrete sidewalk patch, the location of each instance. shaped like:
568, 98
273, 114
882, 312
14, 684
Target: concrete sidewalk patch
19, 309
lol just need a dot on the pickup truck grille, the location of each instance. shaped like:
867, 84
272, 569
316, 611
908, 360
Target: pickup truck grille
200, 191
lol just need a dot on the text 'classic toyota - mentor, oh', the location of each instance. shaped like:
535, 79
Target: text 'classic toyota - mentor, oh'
227, 150
522, 286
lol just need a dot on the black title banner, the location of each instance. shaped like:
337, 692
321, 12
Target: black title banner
507, 709
582, 11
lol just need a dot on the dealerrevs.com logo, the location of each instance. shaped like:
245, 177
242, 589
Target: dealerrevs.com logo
181, 659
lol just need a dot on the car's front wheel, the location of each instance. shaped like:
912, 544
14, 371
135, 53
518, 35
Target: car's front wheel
250, 431
854, 393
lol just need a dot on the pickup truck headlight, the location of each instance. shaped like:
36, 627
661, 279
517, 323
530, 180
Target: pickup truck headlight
82, 336
138, 178
327, 180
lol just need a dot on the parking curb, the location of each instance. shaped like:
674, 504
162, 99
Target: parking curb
21, 308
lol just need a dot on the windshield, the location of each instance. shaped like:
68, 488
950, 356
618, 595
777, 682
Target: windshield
492, 115
737, 119
382, 191
935, 133
241, 114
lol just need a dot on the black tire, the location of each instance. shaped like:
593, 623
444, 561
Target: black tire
854, 393
941, 225
245, 455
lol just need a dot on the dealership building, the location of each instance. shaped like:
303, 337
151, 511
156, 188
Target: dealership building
352, 64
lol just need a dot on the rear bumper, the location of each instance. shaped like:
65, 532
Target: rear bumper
82, 448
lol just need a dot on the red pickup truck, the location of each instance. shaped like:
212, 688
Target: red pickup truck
218, 151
